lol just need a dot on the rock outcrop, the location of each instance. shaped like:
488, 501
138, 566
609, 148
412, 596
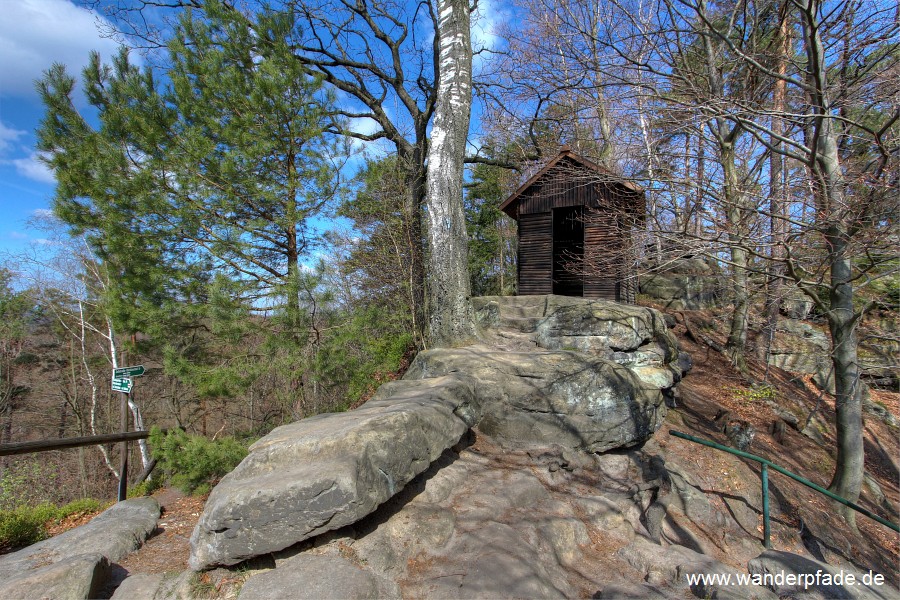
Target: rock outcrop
794, 576
322, 578
684, 284
546, 397
583, 374
331, 470
487, 522
75, 564
632, 336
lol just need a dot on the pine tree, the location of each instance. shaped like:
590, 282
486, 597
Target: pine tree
198, 194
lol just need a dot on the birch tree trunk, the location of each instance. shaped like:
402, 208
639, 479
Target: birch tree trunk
451, 318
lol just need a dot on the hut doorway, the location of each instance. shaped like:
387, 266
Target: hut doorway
568, 251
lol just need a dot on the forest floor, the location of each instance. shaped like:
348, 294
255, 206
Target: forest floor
711, 386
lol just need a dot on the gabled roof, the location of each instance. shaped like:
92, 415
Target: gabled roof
565, 152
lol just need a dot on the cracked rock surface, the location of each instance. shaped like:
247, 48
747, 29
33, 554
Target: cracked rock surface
330, 470
584, 374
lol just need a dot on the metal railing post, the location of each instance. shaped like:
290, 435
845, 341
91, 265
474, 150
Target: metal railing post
765, 478
767, 531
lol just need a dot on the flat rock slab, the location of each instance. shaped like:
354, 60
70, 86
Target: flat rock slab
156, 586
328, 471
76, 563
673, 565
562, 397
318, 578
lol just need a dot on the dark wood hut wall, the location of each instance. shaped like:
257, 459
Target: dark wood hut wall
535, 254
610, 209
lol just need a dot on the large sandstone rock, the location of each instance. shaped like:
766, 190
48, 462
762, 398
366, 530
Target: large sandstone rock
75, 564
598, 383
546, 522
682, 291
330, 470
632, 336
568, 398
157, 586
800, 348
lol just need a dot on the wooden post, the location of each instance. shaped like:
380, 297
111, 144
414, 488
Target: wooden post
123, 446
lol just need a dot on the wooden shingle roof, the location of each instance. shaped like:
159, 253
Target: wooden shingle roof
603, 175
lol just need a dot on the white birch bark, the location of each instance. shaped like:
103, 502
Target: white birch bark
451, 317
93, 384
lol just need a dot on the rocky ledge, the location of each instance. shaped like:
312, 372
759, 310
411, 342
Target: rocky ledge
75, 564
583, 374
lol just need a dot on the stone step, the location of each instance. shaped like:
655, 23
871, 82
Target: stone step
522, 312
520, 324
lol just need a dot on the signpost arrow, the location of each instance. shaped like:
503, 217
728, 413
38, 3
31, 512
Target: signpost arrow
121, 384
128, 372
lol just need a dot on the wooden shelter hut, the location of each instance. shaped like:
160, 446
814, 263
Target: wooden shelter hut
576, 220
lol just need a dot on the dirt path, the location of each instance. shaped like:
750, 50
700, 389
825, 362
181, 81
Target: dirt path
167, 550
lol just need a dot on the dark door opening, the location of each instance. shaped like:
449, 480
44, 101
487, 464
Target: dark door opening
568, 251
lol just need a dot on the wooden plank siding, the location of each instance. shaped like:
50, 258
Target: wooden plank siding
603, 246
548, 250
557, 192
535, 254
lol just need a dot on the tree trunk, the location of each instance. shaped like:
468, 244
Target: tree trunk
737, 336
829, 187
848, 474
777, 198
451, 318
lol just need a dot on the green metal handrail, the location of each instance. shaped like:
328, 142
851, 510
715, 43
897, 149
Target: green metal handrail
765, 484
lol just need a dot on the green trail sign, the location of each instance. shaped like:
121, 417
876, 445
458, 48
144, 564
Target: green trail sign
128, 372
121, 384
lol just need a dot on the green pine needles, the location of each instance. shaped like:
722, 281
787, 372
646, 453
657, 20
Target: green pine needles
193, 463
198, 187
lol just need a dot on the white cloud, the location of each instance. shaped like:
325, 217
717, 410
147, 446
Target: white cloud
43, 213
32, 168
364, 125
8, 137
36, 33
486, 29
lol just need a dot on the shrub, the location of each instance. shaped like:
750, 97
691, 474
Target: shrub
194, 463
83, 506
757, 393
26, 483
24, 525
144, 488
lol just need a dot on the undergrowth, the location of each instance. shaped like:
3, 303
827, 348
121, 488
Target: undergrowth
26, 525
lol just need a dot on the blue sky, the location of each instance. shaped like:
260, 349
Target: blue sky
33, 35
